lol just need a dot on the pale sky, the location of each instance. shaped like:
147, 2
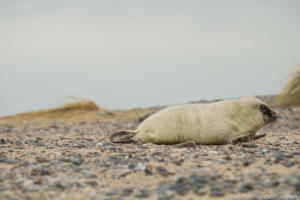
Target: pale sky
126, 54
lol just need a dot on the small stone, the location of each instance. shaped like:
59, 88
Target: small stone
38, 180
3, 141
91, 183
270, 182
297, 188
10, 161
41, 171
216, 191
181, 188
148, 170
246, 187
111, 192
200, 191
38, 142
162, 171
165, 195
287, 163
41, 159
143, 193
246, 163
19, 143
126, 192
278, 156
125, 173
76, 161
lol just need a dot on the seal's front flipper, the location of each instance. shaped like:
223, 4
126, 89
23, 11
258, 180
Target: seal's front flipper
123, 137
260, 136
243, 138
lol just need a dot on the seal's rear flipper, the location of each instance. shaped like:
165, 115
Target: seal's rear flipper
123, 137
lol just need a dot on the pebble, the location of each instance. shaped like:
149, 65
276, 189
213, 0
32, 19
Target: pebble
42, 171
278, 156
112, 192
216, 191
126, 192
10, 161
148, 170
162, 170
246, 187
143, 193
166, 195
181, 188
91, 183
270, 182
41, 159
200, 191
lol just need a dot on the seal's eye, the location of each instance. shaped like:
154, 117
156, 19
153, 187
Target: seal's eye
264, 109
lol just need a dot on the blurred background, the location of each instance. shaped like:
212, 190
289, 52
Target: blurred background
125, 54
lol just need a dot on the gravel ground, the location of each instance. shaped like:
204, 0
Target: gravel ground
76, 161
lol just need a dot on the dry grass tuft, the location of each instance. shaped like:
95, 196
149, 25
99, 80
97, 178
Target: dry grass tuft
83, 105
66, 111
290, 95
80, 110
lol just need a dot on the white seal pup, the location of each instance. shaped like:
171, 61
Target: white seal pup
222, 122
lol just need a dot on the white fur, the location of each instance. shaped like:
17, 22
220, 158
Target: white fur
214, 123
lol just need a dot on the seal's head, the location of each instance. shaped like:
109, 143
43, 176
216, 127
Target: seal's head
268, 114
254, 108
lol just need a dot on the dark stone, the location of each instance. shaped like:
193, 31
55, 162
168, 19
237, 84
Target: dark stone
112, 192
278, 156
80, 144
76, 161
91, 183
165, 195
270, 183
126, 192
198, 180
246, 187
287, 163
200, 190
297, 188
148, 170
162, 171
61, 185
4, 141
143, 193
216, 191
42, 171
10, 161
246, 163
181, 188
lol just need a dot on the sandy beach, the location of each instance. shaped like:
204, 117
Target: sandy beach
67, 155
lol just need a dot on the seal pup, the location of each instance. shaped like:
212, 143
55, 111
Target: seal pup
223, 122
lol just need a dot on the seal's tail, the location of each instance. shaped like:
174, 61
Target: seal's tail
123, 136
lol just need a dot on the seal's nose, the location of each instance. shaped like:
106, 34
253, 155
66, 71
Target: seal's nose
274, 115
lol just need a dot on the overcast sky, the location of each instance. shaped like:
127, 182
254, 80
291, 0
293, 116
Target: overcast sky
125, 54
